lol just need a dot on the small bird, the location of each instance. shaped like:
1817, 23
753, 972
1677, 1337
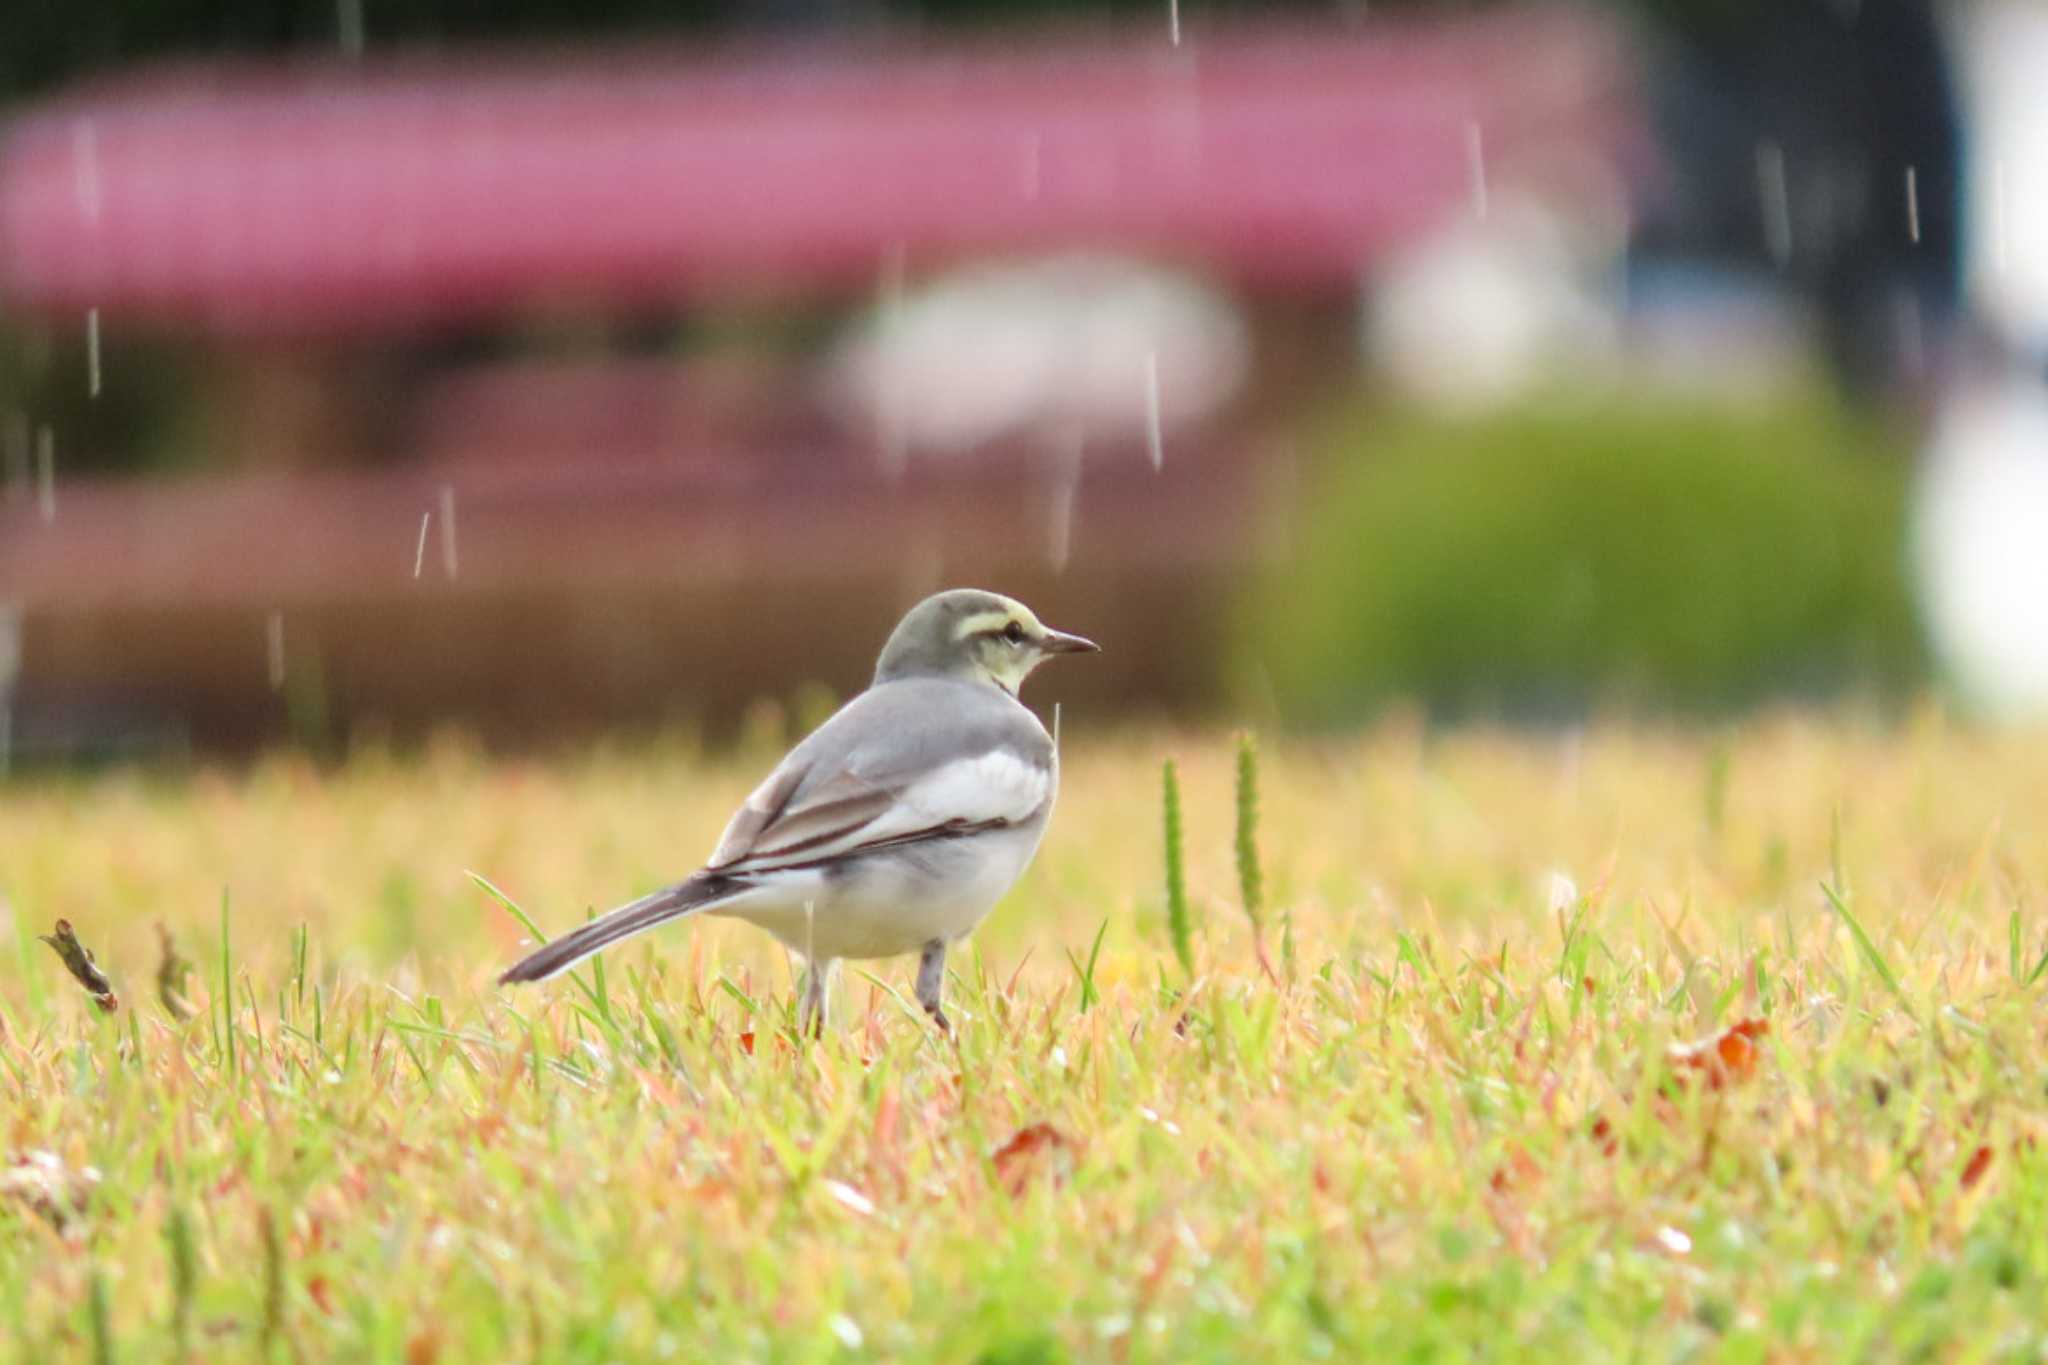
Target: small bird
897, 824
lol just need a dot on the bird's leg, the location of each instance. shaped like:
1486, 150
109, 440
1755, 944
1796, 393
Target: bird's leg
810, 1013
931, 981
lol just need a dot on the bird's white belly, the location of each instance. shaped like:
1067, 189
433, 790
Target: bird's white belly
893, 901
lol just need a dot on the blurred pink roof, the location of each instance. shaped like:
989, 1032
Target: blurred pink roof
315, 198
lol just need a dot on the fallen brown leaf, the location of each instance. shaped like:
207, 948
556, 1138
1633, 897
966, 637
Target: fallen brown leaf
424, 1348
1519, 1171
1728, 1056
1602, 1132
1029, 1148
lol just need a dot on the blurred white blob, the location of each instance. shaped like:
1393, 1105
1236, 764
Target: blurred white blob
1982, 501
1109, 346
1562, 893
1979, 548
849, 1196
2003, 46
1481, 310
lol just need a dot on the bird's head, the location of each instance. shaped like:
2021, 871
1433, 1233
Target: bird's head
975, 636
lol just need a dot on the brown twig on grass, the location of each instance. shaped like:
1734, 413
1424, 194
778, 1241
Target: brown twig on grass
78, 961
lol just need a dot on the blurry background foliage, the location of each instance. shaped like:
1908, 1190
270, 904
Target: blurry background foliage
1540, 562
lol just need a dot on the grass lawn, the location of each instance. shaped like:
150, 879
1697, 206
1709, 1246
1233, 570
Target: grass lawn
1451, 1122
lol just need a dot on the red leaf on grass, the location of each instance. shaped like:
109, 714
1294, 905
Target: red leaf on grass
1980, 1162
1520, 1170
1730, 1055
1602, 1132
1028, 1149
747, 1042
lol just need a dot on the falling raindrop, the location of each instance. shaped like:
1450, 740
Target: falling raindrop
1055, 727
14, 446
92, 352
274, 633
448, 529
892, 402
1998, 237
348, 23
85, 157
1777, 205
1153, 440
419, 554
10, 668
46, 473
1913, 204
1066, 484
1475, 162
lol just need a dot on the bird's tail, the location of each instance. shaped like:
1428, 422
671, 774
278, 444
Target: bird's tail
634, 917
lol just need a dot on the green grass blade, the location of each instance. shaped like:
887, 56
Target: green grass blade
511, 906
227, 987
2039, 966
1251, 879
1865, 946
101, 1320
1179, 922
1087, 974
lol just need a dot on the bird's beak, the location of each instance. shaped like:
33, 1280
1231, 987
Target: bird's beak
1059, 642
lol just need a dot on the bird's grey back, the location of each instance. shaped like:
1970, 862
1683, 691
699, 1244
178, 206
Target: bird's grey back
897, 731
881, 747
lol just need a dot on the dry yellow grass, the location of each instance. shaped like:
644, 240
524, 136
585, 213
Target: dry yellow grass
1386, 1152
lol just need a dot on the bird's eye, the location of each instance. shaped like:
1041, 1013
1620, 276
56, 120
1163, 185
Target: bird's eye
1014, 633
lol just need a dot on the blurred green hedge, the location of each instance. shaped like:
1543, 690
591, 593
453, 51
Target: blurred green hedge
1546, 561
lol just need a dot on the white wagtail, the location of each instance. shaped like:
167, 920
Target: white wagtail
897, 824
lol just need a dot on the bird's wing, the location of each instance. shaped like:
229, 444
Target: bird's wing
887, 778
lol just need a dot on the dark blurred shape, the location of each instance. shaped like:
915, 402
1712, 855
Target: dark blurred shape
1822, 106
